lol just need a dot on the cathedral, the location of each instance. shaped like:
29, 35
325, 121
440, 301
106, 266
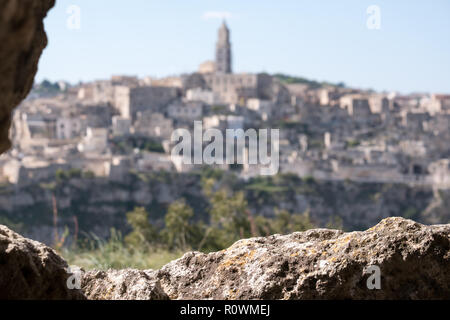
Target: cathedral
218, 76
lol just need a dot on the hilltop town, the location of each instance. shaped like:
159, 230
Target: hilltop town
90, 177
329, 132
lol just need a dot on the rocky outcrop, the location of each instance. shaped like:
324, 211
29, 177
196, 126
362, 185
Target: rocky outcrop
22, 39
413, 261
396, 259
125, 284
31, 270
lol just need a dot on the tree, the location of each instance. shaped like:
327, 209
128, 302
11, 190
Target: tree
286, 222
143, 232
336, 223
264, 226
301, 222
229, 220
178, 228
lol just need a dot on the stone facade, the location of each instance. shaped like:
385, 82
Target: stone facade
189, 111
130, 101
153, 125
238, 88
223, 51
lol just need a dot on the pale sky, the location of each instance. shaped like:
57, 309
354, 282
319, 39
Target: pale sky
324, 40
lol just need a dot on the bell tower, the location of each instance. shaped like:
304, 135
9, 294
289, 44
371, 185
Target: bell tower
223, 50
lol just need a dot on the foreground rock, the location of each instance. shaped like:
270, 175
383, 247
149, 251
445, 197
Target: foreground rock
22, 39
413, 259
125, 284
31, 270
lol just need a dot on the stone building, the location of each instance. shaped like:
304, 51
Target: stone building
130, 101
414, 121
97, 92
226, 87
203, 95
121, 126
121, 80
207, 67
328, 96
262, 107
238, 88
119, 167
69, 127
223, 51
440, 103
175, 82
31, 170
378, 103
151, 161
185, 111
357, 106
440, 173
96, 116
219, 85
223, 122
96, 141
153, 125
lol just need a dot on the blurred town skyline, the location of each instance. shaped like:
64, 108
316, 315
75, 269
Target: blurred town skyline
96, 150
324, 41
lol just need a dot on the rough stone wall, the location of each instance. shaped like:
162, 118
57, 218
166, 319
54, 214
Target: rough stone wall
22, 40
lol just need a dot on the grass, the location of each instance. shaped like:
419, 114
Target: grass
114, 254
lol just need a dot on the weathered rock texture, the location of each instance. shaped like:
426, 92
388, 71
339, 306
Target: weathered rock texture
414, 261
125, 284
22, 39
31, 270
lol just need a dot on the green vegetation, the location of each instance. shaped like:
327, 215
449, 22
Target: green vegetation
143, 232
335, 223
179, 230
316, 144
287, 124
313, 84
115, 254
149, 246
73, 173
121, 145
212, 209
47, 88
220, 109
69, 174
352, 143
411, 213
265, 186
229, 220
15, 226
309, 180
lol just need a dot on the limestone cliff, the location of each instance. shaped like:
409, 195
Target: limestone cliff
100, 204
